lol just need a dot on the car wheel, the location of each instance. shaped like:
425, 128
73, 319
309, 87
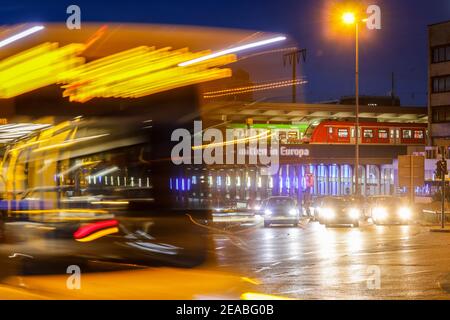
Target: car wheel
356, 224
266, 224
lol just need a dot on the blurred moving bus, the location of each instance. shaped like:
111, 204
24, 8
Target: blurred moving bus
93, 192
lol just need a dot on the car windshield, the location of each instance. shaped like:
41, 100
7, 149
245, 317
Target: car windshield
280, 202
392, 201
339, 201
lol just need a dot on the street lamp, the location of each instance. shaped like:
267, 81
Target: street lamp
350, 18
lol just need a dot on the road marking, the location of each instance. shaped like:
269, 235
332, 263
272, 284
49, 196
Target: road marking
417, 272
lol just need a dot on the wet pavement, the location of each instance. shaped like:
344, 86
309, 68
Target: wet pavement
314, 262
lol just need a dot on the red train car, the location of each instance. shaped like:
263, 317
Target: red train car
376, 133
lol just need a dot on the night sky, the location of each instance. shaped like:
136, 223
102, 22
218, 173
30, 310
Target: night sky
400, 47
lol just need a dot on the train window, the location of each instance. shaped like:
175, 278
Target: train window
392, 134
407, 134
330, 130
382, 133
368, 133
343, 133
292, 135
397, 133
418, 134
353, 132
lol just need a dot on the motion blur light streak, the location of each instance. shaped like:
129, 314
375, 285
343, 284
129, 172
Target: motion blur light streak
260, 87
37, 67
263, 135
98, 234
110, 202
232, 50
19, 130
132, 73
61, 211
93, 227
139, 72
20, 35
68, 143
261, 296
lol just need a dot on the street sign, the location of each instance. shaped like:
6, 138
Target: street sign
411, 171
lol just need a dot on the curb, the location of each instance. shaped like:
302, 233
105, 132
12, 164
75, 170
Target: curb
440, 230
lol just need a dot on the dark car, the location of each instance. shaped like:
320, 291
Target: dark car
281, 210
391, 210
312, 207
340, 211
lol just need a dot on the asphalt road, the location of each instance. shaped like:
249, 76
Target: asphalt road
314, 262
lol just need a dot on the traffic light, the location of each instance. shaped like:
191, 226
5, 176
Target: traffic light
441, 169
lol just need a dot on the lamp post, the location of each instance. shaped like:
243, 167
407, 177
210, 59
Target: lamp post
350, 18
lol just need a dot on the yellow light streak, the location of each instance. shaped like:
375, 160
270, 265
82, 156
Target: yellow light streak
81, 210
250, 280
132, 73
68, 143
253, 88
37, 67
261, 296
247, 139
98, 234
139, 72
110, 202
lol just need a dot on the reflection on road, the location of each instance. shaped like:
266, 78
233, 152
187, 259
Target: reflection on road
341, 263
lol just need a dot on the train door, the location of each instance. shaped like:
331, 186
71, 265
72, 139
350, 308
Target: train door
353, 135
392, 135
330, 132
397, 136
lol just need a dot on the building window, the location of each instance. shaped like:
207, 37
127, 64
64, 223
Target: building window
368, 133
343, 133
441, 84
441, 54
418, 134
383, 134
441, 114
407, 134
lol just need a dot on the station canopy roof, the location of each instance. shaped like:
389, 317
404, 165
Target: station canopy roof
266, 112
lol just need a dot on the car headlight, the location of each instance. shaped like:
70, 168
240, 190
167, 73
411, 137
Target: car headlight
293, 212
379, 213
267, 212
405, 213
327, 213
354, 213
